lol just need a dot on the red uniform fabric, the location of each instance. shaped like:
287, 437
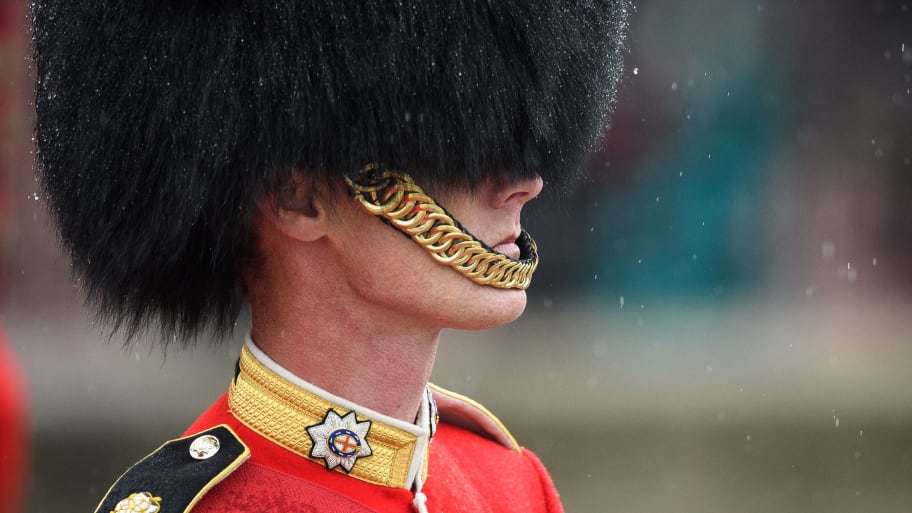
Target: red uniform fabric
466, 473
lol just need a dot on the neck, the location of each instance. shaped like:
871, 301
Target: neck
381, 364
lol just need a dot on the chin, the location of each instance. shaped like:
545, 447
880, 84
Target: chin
494, 308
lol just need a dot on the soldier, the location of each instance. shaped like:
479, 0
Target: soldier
196, 155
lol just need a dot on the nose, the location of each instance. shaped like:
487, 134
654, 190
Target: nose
517, 192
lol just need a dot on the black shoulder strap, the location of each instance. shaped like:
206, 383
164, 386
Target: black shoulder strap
173, 478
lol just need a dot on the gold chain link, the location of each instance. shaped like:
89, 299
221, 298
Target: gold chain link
396, 198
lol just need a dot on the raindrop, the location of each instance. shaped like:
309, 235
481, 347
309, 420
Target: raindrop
874, 262
621, 301
674, 86
828, 249
636, 71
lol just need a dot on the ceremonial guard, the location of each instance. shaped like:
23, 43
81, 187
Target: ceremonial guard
354, 171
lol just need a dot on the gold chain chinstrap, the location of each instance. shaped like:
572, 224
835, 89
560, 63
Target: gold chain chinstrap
397, 199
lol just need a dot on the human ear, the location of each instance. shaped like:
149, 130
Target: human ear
298, 209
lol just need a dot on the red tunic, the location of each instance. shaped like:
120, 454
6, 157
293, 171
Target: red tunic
466, 473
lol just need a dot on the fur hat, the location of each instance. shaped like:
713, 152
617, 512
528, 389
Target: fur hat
162, 123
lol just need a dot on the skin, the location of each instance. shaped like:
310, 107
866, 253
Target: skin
356, 308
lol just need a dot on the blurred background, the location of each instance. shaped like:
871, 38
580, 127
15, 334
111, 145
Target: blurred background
722, 321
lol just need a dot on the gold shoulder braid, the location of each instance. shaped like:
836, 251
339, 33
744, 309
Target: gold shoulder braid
395, 198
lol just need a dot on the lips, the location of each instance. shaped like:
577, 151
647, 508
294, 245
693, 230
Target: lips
508, 247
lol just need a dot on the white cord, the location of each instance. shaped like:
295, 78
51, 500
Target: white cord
420, 497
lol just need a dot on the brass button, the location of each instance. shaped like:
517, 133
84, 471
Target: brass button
204, 447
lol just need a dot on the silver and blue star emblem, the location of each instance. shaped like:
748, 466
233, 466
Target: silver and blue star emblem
340, 441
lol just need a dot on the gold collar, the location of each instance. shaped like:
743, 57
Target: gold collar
367, 445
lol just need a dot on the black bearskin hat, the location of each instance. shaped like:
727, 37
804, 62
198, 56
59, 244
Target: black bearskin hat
162, 123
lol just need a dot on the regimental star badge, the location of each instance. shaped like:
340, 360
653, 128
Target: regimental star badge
340, 441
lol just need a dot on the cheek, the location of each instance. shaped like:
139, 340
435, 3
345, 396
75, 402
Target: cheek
384, 266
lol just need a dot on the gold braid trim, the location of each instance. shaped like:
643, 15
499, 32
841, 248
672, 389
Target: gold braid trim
395, 198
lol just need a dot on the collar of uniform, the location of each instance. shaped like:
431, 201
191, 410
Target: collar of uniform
281, 406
